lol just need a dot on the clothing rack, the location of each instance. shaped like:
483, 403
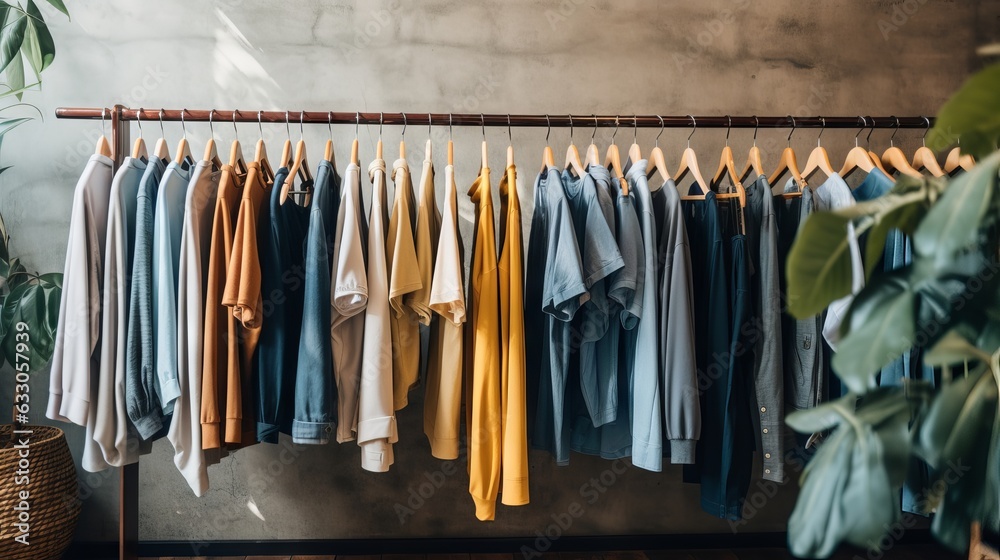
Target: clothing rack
119, 115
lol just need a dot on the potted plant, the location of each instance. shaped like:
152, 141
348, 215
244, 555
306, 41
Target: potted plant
945, 302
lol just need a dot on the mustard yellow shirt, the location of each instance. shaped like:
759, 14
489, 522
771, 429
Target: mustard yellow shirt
404, 279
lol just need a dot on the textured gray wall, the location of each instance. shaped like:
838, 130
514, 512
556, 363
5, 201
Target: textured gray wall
579, 56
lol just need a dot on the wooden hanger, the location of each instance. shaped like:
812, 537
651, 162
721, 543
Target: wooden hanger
894, 158
548, 160
857, 157
957, 161
788, 163
753, 156
485, 161
103, 147
656, 161
354, 143
573, 155
139, 147
689, 164
260, 153
299, 168
818, 159
593, 154
613, 161
727, 166
924, 158
634, 152
328, 150
510, 144
161, 150
236, 160
183, 148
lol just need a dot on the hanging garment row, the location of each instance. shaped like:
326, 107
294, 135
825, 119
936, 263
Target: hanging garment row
220, 304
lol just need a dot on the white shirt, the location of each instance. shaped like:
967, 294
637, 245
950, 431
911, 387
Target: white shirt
376, 419
196, 238
78, 330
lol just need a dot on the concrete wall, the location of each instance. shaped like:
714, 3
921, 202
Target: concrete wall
579, 56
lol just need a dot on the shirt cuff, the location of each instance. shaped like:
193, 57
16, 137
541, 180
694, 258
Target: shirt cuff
383, 427
311, 433
376, 455
170, 389
68, 407
210, 436
647, 456
148, 424
682, 451
485, 509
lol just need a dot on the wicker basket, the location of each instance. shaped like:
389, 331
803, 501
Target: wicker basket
53, 495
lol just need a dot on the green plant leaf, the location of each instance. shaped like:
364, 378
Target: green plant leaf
953, 223
819, 264
881, 328
971, 115
15, 77
904, 218
821, 417
4, 241
28, 303
6, 125
39, 47
11, 37
952, 349
58, 4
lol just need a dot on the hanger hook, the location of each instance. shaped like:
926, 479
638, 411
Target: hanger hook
548, 128
449, 126
260, 123
236, 132
615, 133
729, 127
162, 134
635, 129
428, 125
184, 130
570, 128
329, 123
871, 129
756, 125
482, 122
657, 141
694, 127
821, 130
594, 135
923, 141
864, 124
104, 130
211, 125
510, 135
138, 120
381, 118
895, 129
288, 131
357, 123
402, 133
302, 130
791, 132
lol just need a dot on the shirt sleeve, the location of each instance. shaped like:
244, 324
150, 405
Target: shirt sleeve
563, 290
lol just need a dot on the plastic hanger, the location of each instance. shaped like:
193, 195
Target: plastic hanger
634, 152
328, 151
427, 147
727, 166
103, 148
510, 144
236, 160
183, 148
818, 159
689, 164
613, 161
572, 154
451, 144
790, 164
753, 156
402, 140
211, 151
894, 158
924, 158
485, 163
656, 161
161, 150
300, 167
593, 154
354, 143
139, 147
857, 157
957, 161
260, 152
548, 160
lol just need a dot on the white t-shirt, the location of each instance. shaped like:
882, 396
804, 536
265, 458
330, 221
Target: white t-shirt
376, 419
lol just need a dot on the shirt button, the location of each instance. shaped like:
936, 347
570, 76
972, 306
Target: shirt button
765, 430
329, 429
767, 471
767, 455
763, 409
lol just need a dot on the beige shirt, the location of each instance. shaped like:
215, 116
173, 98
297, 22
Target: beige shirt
404, 278
376, 419
443, 397
349, 298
